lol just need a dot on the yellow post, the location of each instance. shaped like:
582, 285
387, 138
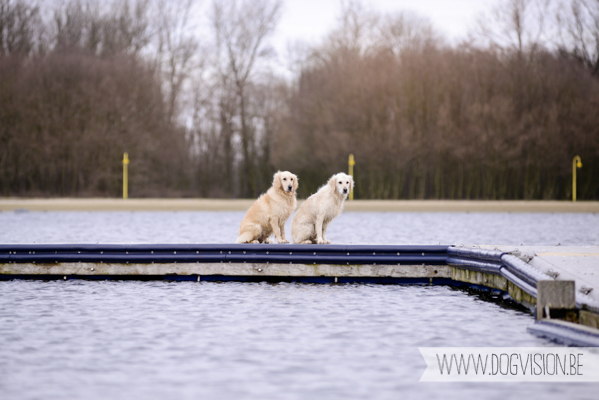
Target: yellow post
351, 164
576, 163
125, 176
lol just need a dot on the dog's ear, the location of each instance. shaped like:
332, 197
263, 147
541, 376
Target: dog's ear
295, 182
351, 182
333, 182
276, 182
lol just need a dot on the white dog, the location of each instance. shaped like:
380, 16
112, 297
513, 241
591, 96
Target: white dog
309, 224
269, 213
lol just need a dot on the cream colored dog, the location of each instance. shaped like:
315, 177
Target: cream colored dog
309, 224
270, 212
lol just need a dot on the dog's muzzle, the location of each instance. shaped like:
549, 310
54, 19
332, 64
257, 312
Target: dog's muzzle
289, 188
344, 190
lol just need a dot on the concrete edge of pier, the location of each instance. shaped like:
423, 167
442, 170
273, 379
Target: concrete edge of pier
560, 284
8, 204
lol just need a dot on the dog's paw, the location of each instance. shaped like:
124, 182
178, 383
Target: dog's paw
255, 242
269, 241
327, 241
283, 241
321, 241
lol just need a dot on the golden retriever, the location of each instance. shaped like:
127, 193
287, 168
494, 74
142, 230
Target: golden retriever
309, 224
270, 212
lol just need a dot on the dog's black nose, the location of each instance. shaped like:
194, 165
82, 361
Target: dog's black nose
344, 190
289, 187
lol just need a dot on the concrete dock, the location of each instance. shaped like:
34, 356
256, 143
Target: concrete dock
577, 263
567, 310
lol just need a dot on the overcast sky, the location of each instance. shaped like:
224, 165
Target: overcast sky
310, 20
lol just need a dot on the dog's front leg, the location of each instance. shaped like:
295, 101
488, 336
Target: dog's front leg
282, 228
319, 233
325, 225
274, 223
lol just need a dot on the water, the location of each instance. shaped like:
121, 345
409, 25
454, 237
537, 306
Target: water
159, 340
189, 340
222, 227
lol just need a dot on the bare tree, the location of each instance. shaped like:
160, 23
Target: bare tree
101, 29
20, 26
356, 30
127, 28
405, 30
177, 49
241, 29
579, 31
514, 24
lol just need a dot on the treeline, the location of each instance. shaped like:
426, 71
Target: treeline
442, 122
75, 94
498, 116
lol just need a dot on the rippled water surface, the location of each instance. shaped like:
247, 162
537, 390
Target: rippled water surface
158, 340
222, 227
188, 340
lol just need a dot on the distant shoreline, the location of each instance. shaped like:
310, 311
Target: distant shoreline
106, 204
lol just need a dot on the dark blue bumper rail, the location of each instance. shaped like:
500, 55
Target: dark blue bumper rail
485, 266
498, 263
475, 253
566, 333
510, 267
523, 271
304, 248
225, 253
531, 290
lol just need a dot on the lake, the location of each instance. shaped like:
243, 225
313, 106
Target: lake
187, 340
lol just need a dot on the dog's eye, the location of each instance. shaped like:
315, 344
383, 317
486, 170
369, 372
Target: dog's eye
340, 183
284, 179
347, 183
291, 178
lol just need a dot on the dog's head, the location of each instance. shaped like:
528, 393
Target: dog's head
285, 181
341, 184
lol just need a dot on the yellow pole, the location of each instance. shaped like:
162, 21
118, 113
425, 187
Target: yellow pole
576, 163
125, 176
351, 164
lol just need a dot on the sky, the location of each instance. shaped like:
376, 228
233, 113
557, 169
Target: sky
308, 22
311, 20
